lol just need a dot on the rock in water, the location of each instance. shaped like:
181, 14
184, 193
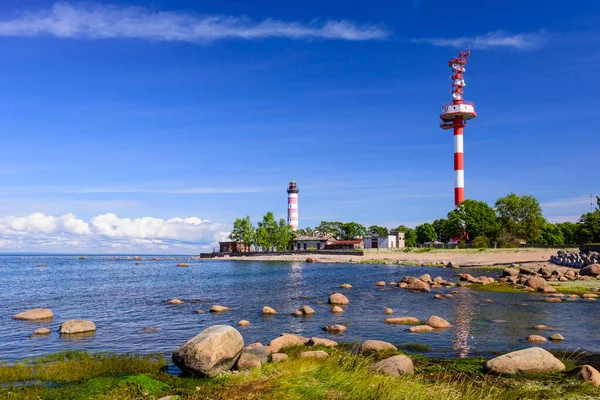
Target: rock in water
388, 311
396, 365
218, 309
175, 302
419, 285
307, 310
34, 314
402, 320
421, 329
536, 339
335, 329
557, 337
591, 375
339, 299
244, 323
337, 310
370, 346
268, 311
534, 360
437, 322
345, 286
214, 350
380, 283
77, 326
42, 331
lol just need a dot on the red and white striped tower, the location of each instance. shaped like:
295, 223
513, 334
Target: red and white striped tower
293, 205
454, 116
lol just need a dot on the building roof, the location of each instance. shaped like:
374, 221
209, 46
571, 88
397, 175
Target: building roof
352, 241
314, 238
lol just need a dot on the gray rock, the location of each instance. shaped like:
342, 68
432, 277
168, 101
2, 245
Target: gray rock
534, 360
279, 357
371, 346
396, 365
338, 299
75, 326
314, 354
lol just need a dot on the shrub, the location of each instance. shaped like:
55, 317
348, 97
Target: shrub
481, 242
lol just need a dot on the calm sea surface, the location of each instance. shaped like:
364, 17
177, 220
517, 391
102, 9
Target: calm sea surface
122, 298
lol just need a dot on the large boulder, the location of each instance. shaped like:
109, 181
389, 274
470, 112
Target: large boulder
287, 340
338, 299
437, 322
370, 346
396, 365
536, 283
214, 350
419, 285
35, 314
534, 360
590, 270
74, 326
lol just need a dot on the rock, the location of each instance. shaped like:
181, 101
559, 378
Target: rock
297, 313
279, 357
402, 320
287, 340
438, 279
425, 278
590, 270
534, 360
388, 311
268, 311
591, 375
321, 342
244, 323
310, 260
510, 272
420, 329
345, 286
335, 329
74, 326
218, 309
392, 283
536, 283
402, 285
437, 322
339, 299
438, 296
396, 365
551, 300
253, 356
419, 285
549, 289
183, 265
337, 310
175, 302
452, 265
199, 311
557, 337
541, 327
42, 331
483, 280
214, 350
408, 279
307, 310
380, 283
536, 339
370, 346
589, 296
466, 277
35, 314
320, 354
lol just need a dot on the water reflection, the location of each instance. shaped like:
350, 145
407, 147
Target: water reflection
464, 309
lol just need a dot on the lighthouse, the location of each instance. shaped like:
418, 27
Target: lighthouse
293, 205
455, 116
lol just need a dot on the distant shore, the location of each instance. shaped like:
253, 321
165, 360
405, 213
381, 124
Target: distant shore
461, 257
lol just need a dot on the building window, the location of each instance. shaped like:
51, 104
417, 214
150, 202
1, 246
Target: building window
318, 246
298, 246
304, 246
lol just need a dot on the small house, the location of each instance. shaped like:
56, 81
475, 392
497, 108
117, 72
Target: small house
312, 242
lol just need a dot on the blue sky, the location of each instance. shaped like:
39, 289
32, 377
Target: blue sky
179, 116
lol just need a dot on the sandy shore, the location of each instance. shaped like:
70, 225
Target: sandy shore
469, 257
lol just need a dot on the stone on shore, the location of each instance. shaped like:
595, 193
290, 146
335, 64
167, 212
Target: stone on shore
425, 278
253, 356
388, 311
551, 300
590, 270
536, 283
438, 323
175, 302
335, 329
337, 310
510, 272
418, 285
286, 340
217, 309
420, 329
35, 314
279, 357
321, 342
42, 331
591, 375
339, 299
307, 310
75, 326
536, 339
396, 366
371, 346
268, 311
557, 337
244, 323
402, 320
534, 360
345, 286
214, 350
319, 354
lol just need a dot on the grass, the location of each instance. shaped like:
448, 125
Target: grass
344, 375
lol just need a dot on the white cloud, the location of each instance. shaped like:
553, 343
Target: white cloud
492, 40
568, 203
108, 233
65, 20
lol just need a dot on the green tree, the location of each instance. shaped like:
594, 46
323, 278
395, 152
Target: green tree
378, 230
266, 233
589, 227
473, 218
425, 233
481, 242
410, 236
552, 235
521, 217
243, 232
330, 228
284, 236
441, 230
351, 230
308, 231
570, 232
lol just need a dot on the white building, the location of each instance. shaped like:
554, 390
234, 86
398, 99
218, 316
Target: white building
312, 242
395, 241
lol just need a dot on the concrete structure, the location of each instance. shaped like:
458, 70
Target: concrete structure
395, 241
293, 205
354, 244
454, 116
312, 242
234, 247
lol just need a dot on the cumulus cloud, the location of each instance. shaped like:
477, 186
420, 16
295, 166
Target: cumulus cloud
492, 40
108, 233
65, 20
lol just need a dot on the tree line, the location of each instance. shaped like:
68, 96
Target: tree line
268, 235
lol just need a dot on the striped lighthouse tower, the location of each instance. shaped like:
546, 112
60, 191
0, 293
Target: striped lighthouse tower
293, 205
455, 116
